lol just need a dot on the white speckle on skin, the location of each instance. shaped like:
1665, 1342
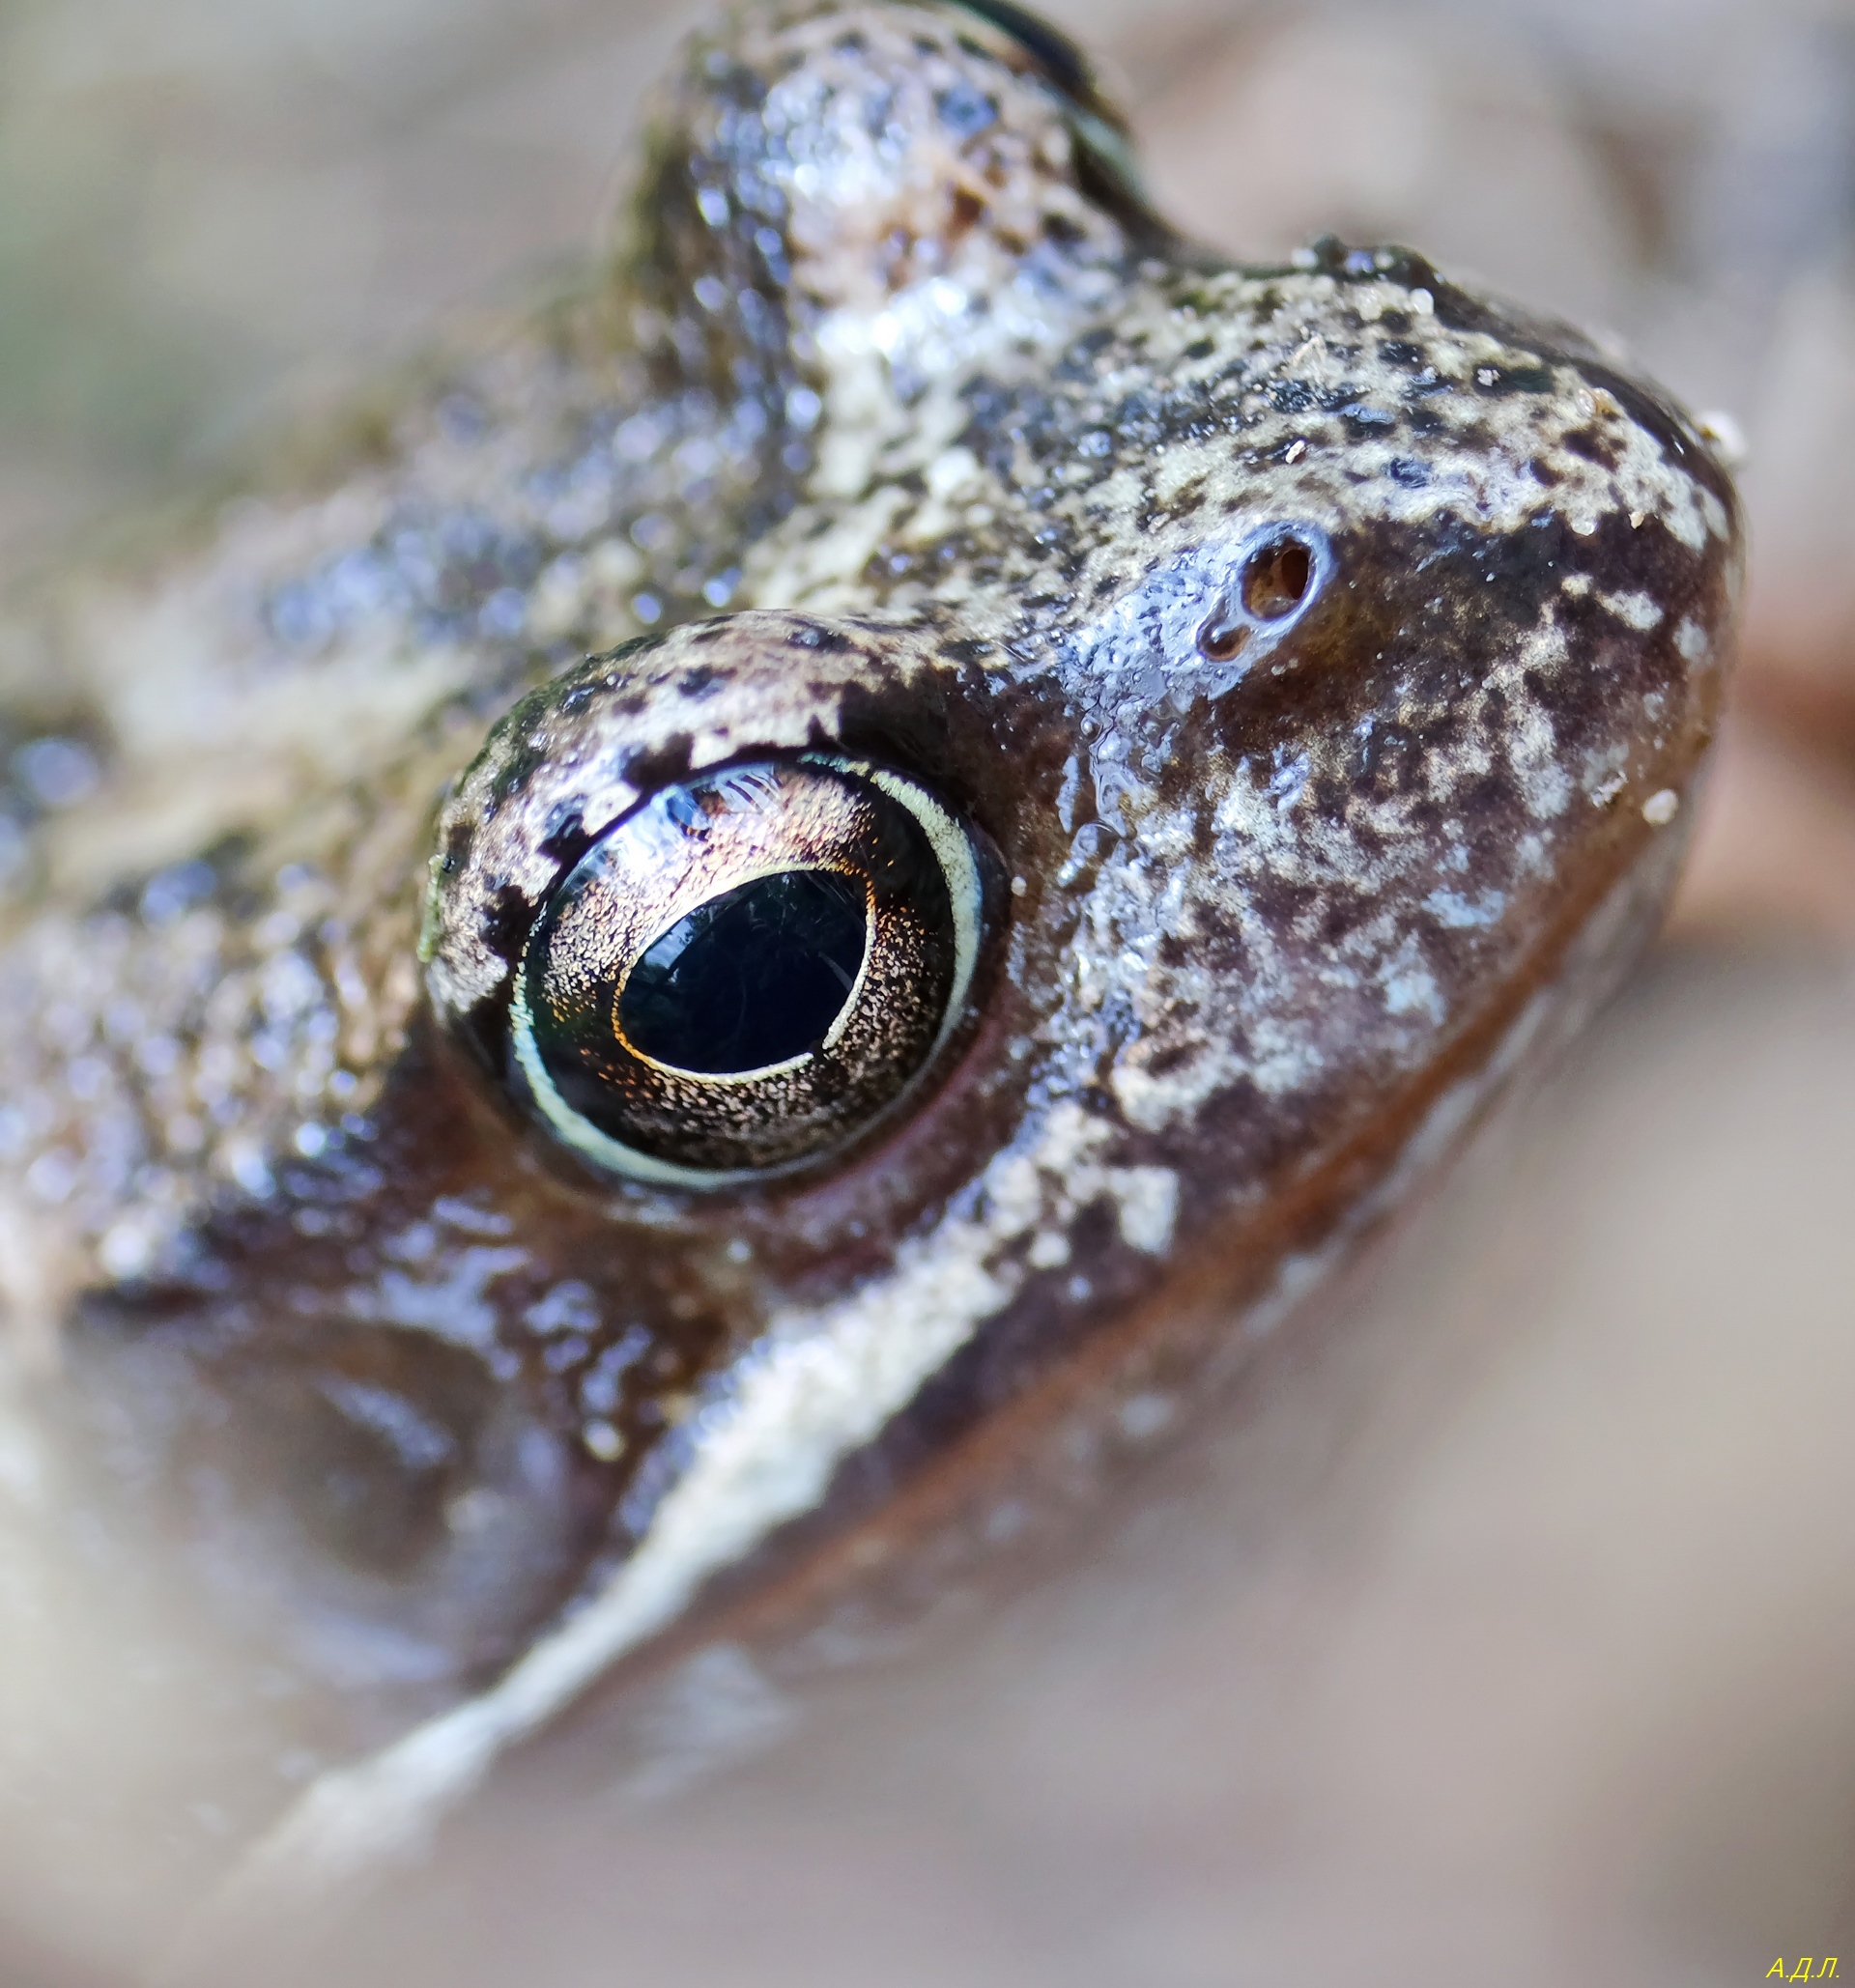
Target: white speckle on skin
1605, 773
1660, 807
1691, 643
457, 1213
602, 1441
244, 1161
1637, 610
1006, 1521
1531, 747
950, 472
474, 1512
1148, 1201
1289, 781
127, 1248
1410, 988
569, 1306
52, 1175
1143, 1416
453, 1305
1297, 1278
1452, 909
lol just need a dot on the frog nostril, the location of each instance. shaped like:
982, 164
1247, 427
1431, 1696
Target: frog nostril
1274, 581
1276, 578
1222, 636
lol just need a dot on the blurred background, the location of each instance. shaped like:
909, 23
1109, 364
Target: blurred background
1504, 1627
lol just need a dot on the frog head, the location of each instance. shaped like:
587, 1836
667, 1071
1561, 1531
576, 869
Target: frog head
1094, 766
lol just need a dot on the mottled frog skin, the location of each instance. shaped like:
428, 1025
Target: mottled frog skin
1320, 658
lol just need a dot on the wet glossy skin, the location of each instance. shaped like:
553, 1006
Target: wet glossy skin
906, 435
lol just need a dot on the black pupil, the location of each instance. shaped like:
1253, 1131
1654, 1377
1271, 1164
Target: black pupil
752, 977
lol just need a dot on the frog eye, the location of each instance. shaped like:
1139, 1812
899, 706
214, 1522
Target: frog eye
748, 969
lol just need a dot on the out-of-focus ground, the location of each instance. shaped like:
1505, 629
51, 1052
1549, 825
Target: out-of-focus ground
1504, 1630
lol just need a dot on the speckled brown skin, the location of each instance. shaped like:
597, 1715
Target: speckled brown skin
971, 454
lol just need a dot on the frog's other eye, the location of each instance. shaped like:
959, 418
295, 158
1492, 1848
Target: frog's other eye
1061, 61
1104, 150
1279, 575
748, 969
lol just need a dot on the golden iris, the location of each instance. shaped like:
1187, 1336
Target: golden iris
748, 969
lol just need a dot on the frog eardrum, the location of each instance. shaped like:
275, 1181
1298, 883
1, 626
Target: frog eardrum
748, 969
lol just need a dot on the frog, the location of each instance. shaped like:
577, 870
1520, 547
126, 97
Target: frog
764, 914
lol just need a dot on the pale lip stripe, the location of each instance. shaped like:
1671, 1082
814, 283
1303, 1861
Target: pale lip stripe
796, 1410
